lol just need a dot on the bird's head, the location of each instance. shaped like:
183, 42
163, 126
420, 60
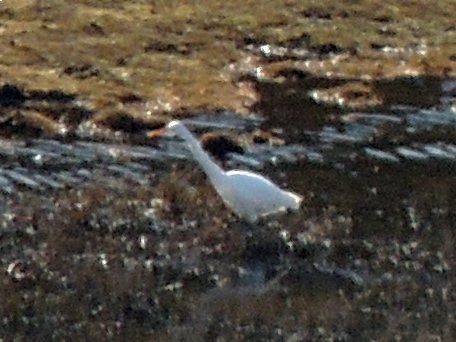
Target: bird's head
176, 127
173, 129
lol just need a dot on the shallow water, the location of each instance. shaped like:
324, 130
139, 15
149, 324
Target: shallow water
401, 137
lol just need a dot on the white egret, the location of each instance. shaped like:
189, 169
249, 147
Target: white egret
248, 194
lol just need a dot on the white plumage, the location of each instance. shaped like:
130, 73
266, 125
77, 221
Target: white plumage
248, 194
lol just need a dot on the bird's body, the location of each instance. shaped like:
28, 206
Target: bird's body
252, 196
248, 194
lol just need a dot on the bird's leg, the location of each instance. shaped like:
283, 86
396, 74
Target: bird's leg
246, 228
253, 231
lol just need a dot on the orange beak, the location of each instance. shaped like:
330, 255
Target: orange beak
156, 133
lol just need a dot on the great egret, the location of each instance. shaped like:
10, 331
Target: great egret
248, 194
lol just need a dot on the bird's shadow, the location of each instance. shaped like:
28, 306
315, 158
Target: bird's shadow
289, 219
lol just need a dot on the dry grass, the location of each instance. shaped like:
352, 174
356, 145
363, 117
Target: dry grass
179, 54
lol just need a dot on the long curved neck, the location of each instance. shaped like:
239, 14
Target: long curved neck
213, 171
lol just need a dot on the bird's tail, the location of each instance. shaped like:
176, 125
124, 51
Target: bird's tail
295, 200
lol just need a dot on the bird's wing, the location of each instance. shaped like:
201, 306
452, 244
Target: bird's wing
250, 181
248, 175
262, 190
